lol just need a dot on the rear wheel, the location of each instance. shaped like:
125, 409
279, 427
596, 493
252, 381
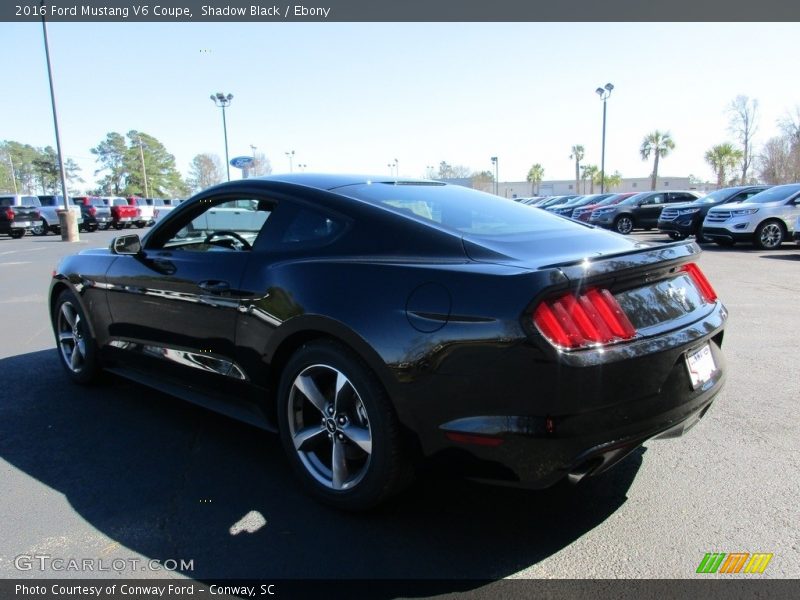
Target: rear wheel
623, 224
77, 348
91, 228
339, 429
769, 235
119, 225
676, 236
16, 233
40, 229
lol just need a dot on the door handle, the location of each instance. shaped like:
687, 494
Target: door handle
214, 287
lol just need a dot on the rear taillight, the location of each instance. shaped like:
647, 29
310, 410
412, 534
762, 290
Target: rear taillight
10, 214
584, 320
92, 211
707, 291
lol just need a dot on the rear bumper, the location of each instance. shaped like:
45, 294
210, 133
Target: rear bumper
592, 417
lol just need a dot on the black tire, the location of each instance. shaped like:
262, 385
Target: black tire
698, 237
140, 224
77, 349
91, 228
17, 234
42, 229
769, 235
104, 226
674, 235
623, 224
119, 226
355, 427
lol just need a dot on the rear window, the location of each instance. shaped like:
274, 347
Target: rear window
454, 207
30, 201
6, 201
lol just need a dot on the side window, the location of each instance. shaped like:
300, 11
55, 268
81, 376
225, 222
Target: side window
308, 225
659, 199
232, 225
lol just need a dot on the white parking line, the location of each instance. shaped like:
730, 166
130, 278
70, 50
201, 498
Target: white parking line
22, 262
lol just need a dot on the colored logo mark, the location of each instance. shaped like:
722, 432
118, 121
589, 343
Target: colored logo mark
735, 562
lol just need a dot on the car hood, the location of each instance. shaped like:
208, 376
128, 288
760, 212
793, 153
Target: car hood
553, 245
746, 205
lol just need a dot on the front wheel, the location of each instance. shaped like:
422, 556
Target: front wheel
339, 429
77, 348
769, 236
674, 235
17, 234
623, 224
119, 226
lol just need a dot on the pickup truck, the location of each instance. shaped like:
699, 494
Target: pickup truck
146, 210
96, 215
122, 213
162, 207
50, 205
18, 214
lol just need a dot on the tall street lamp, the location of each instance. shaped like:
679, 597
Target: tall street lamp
496, 180
66, 218
604, 93
392, 168
290, 154
223, 101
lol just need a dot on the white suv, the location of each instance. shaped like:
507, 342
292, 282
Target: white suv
766, 219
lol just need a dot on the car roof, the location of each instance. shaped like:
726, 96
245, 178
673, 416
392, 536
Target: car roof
328, 181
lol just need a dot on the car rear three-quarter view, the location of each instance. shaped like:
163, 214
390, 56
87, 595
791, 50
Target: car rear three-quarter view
375, 322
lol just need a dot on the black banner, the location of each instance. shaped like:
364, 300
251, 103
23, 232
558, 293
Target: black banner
400, 11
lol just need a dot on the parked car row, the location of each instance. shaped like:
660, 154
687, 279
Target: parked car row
39, 214
764, 215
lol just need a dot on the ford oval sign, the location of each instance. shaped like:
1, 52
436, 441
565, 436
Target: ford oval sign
240, 162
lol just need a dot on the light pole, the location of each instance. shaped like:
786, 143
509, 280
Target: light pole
604, 93
144, 170
392, 168
496, 179
302, 167
13, 175
223, 101
430, 170
291, 156
67, 220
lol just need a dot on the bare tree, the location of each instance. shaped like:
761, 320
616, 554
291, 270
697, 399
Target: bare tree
261, 165
204, 171
743, 113
779, 162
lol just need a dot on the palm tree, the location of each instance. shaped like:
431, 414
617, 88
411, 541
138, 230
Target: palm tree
592, 174
577, 156
659, 144
535, 175
612, 181
723, 157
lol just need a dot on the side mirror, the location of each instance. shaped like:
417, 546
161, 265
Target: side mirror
126, 244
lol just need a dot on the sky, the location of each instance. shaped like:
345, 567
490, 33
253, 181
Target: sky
353, 97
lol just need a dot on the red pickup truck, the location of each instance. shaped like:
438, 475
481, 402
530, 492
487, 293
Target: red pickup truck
122, 214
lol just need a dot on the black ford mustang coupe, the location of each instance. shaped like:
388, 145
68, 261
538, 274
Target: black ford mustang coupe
376, 322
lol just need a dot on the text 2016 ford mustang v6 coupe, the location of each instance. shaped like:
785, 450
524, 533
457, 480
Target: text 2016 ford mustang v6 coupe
373, 322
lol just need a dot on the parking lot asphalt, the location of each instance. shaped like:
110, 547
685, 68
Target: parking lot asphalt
117, 472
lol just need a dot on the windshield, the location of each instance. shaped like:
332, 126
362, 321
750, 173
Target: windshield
714, 197
776, 194
633, 199
615, 199
457, 208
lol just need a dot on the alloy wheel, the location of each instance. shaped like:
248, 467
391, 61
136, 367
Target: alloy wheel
71, 341
329, 428
624, 225
771, 235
